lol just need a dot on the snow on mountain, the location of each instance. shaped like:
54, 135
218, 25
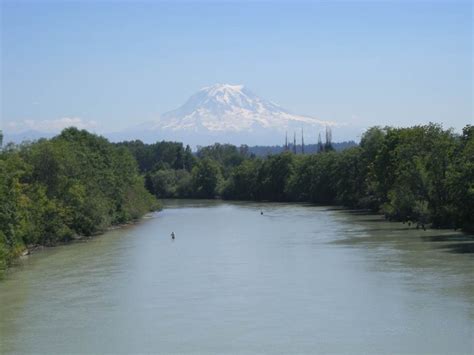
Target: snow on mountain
219, 113
230, 108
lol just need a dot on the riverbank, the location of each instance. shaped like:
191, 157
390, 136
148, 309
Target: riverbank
423, 174
75, 184
455, 236
34, 249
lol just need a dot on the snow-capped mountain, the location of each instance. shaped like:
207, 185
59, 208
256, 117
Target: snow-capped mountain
230, 108
229, 113
219, 113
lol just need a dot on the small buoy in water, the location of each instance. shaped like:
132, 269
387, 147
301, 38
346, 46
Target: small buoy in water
172, 235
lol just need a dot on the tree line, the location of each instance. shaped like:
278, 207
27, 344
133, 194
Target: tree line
423, 174
76, 184
263, 150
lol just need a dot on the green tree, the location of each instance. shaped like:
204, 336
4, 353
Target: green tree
205, 178
273, 177
243, 183
460, 182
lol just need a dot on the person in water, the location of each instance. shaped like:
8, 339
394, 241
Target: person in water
261, 212
172, 235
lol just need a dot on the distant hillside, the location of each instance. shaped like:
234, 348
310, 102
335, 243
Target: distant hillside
261, 150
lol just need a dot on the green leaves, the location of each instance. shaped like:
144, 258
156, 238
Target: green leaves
206, 176
79, 184
74, 184
422, 173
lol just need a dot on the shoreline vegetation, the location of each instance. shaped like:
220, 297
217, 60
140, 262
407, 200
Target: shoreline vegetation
33, 249
421, 175
54, 190
78, 184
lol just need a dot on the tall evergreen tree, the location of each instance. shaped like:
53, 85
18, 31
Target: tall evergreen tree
302, 142
328, 144
320, 144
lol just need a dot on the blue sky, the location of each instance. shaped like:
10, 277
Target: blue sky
112, 64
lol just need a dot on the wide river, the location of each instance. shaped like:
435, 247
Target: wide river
297, 279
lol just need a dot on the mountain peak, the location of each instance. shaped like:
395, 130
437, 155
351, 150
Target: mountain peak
225, 94
223, 109
216, 88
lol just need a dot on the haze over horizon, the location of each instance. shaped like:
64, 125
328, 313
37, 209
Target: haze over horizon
110, 66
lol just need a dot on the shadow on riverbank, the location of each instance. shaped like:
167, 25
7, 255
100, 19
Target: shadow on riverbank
404, 236
460, 248
455, 237
464, 243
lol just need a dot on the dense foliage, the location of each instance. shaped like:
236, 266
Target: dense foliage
78, 183
172, 171
423, 174
166, 167
74, 184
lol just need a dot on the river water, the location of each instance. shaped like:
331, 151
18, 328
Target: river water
297, 279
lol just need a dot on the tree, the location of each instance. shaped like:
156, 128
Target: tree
243, 182
205, 178
460, 182
320, 148
349, 177
328, 143
273, 177
189, 159
76, 183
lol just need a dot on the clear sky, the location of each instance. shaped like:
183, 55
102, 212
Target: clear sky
112, 64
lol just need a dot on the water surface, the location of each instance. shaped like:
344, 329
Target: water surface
297, 279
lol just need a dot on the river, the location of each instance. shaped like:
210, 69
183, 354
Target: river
297, 279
